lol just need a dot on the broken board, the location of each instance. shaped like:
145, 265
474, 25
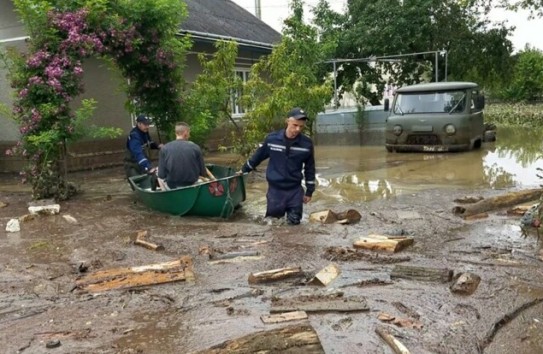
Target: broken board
326, 275
284, 317
131, 277
390, 244
292, 339
320, 304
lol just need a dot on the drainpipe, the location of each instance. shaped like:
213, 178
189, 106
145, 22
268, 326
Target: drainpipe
258, 9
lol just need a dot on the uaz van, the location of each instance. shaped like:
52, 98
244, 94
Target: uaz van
435, 117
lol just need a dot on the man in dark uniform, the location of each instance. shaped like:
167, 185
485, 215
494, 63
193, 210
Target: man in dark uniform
290, 152
136, 160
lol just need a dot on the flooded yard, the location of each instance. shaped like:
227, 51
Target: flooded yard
396, 194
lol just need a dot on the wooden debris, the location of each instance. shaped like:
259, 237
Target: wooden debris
326, 275
141, 240
292, 339
274, 275
390, 244
27, 217
284, 317
505, 319
130, 277
368, 282
394, 343
476, 216
519, 210
70, 219
350, 216
465, 283
469, 199
498, 202
3, 205
443, 275
404, 309
216, 256
328, 303
346, 254
400, 322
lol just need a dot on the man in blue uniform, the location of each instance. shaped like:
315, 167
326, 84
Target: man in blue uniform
290, 153
136, 160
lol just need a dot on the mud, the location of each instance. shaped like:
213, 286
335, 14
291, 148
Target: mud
39, 266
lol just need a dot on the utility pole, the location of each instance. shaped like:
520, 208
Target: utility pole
258, 9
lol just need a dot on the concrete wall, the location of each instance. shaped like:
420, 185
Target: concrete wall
348, 127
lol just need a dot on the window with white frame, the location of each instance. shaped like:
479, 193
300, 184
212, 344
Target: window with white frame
243, 75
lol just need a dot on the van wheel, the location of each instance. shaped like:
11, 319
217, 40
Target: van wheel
389, 149
477, 144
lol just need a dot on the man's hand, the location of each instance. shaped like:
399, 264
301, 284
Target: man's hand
152, 170
160, 146
307, 199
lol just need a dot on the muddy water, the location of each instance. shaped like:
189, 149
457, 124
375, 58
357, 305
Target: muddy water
39, 264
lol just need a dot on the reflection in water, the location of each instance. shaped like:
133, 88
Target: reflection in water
363, 173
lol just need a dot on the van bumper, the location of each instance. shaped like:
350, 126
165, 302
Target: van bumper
427, 148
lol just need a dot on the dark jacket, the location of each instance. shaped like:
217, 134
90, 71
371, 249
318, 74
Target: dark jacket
288, 158
136, 145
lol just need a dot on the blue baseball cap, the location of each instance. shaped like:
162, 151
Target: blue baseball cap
297, 113
142, 118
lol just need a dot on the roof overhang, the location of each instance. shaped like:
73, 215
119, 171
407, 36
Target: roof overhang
203, 37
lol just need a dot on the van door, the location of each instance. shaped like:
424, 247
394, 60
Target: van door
476, 116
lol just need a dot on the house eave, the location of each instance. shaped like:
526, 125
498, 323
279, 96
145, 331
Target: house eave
211, 38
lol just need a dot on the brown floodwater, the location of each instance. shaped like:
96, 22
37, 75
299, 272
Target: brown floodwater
40, 262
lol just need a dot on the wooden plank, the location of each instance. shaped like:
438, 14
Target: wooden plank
326, 275
222, 256
320, 304
284, 317
274, 275
443, 275
292, 339
324, 216
394, 343
129, 277
391, 244
498, 202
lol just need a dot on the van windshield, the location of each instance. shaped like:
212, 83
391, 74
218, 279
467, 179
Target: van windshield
430, 102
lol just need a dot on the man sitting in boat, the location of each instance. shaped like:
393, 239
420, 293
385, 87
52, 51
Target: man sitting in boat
181, 162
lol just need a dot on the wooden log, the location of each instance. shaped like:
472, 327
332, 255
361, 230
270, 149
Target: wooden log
394, 343
274, 275
498, 202
130, 277
141, 240
326, 275
216, 257
284, 317
476, 216
325, 217
320, 304
443, 275
292, 339
519, 210
390, 244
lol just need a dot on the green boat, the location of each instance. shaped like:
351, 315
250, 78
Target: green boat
218, 197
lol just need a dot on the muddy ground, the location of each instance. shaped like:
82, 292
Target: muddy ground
39, 266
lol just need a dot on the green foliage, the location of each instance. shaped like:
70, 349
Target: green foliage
527, 81
288, 77
138, 37
390, 27
527, 115
208, 101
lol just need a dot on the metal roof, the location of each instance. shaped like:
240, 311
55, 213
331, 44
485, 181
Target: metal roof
438, 86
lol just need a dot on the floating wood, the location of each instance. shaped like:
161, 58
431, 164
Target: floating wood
476, 216
390, 244
519, 210
320, 304
274, 275
350, 216
284, 317
141, 240
130, 277
326, 275
292, 339
498, 202
394, 343
465, 283
216, 257
443, 275
346, 254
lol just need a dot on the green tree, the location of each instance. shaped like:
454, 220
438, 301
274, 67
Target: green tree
288, 77
527, 82
390, 27
208, 102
